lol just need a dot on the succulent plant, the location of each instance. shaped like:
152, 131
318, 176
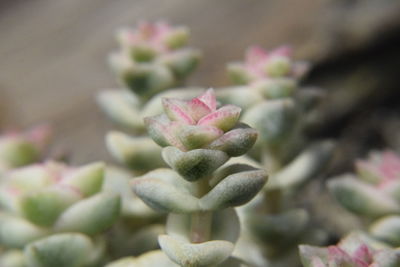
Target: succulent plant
267, 91
152, 58
374, 190
54, 215
22, 148
355, 250
373, 194
199, 192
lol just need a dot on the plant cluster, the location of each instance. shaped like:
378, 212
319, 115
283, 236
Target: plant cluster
192, 189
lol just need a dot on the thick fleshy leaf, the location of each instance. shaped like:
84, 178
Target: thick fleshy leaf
313, 256
160, 130
197, 136
147, 79
153, 258
238, 74
16, 152
90, 216
225, 118
201, 254
44, 207
163, 196
12, 258
278, 66
194, 164
278, 228
154, 105
176, 110
138, 153
88, 179
339, 257
387, 229
241, 96
209, 99
234, 190
198, 109
182, 62
361, 198
61, 250
276, 88
225, 226
305, 166
121, 107
16, 232
274, 119
235, 142
177, 37
387, 258
117, 181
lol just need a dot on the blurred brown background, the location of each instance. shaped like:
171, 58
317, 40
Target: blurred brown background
53, 60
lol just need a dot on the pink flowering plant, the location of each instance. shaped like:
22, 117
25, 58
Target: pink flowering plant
199, 193
152, 57
373, 193
21, 148
355, 250
50, 208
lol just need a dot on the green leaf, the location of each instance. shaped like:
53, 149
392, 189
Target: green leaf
234, 190
201, 254
195, 164
90, 216
387, 229
43, 207
235, 142
362, 198
274, 119
163, 196
88, 179
138, 153
61, 250
16, 232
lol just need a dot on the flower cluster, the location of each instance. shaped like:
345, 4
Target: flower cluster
355, 250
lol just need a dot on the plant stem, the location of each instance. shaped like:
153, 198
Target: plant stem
200, 229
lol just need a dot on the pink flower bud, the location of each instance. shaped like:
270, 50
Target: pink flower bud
192, 124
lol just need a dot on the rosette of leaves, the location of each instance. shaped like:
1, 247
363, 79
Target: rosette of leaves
198, 192
54, 215
373, 192
22, 148
267, 90
355, 250
152, 58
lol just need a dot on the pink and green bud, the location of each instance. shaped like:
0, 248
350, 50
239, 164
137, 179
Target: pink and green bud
22, 148
198, 123
260, 64
153, 57
375, 190
353, 251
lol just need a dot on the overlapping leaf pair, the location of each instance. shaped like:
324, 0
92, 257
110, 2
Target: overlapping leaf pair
199, 193
51, 208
